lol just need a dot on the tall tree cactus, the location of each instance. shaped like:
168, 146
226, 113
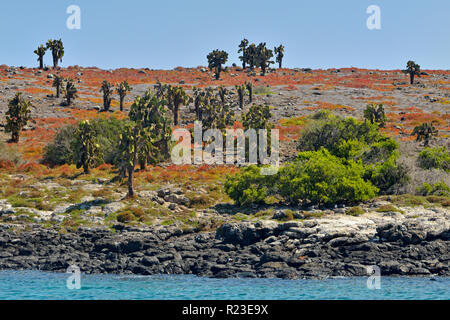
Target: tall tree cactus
87, 149
122, 90
243, 49
70, 92
58, 83
17, 116
263, 57
215, 61
177, 97
107, 89
133, 138
251, 54
57, 49
249, 86
279, 51
241, 93
413, 69
40, 52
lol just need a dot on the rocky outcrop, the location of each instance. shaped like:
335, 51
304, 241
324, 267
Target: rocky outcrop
335, 245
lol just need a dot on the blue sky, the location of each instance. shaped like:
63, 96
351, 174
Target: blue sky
166, 34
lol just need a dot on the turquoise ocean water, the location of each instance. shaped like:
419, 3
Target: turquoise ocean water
37, 285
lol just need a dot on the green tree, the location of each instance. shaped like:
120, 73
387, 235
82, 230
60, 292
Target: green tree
87, 149
425, 132
40, 52
279, 51
413, 69
375, 114
70, 92
215, 61
17, 116
107, 89
243, 49
122, 90
57, 48
58, 84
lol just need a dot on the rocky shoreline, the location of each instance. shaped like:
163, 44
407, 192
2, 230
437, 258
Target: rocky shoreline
413, 244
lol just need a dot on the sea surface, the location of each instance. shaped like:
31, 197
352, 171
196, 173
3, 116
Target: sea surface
36, 285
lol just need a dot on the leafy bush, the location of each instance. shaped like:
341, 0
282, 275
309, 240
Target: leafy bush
437, 189
435, 158
248, 187
315, 178
321, 178
329, 131
62, 151
389, 177
355, 211
9, 154
126, 216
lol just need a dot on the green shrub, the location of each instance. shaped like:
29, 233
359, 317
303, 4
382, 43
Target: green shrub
329, 131
248, 187
388, 176
389, 208
355, 211
61, 150
437, 189
126, 216
435, 158
322, 178
9, 154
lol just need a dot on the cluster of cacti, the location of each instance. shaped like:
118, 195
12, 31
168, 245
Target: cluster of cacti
87, 153
257, 118
175, 96
215, 61
150, 111
17, 116
145, 139
212, 107
375, 114
425, 132
57, 49
413, 69
107, 89
259, 56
